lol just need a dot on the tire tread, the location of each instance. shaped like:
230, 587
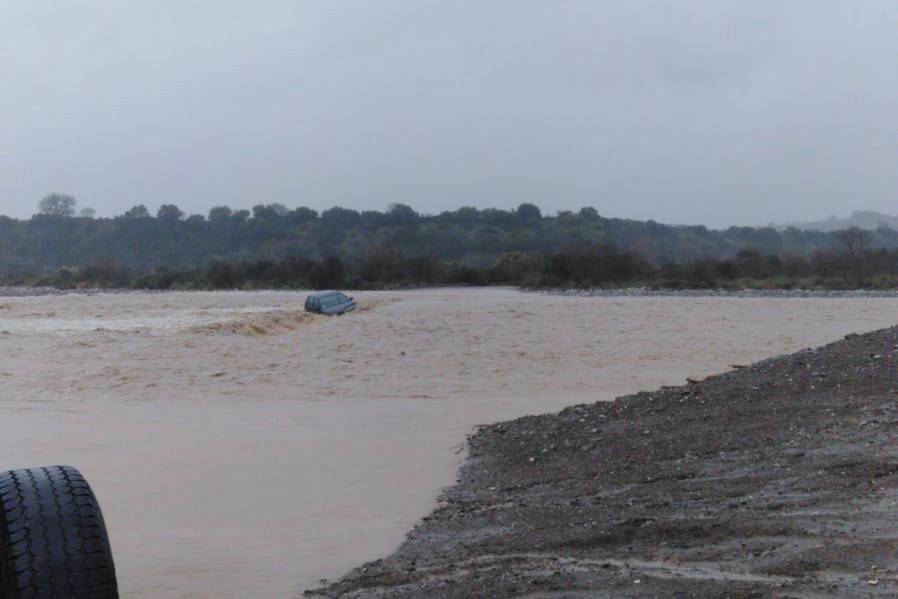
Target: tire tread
53, 538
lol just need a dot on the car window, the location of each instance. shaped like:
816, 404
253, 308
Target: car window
329, 301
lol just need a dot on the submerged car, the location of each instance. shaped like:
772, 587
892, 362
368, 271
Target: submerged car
331, 303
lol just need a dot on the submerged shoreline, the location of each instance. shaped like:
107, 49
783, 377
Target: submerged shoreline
768, 480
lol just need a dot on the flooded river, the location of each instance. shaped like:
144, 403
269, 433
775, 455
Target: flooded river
242, 448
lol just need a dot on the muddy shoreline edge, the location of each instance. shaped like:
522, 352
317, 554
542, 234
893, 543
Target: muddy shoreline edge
776, 479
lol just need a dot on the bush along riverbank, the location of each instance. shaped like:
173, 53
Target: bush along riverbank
575, 267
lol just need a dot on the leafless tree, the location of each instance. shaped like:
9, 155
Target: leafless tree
58, 204
855, 245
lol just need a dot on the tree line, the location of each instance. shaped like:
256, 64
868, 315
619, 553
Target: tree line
144, 240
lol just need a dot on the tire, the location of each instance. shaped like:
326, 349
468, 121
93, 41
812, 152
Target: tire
52, 536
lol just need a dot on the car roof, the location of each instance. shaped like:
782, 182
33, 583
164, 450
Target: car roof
323, 293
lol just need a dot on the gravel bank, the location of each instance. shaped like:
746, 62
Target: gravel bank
758, 293
631, 292
53, 291
774, 480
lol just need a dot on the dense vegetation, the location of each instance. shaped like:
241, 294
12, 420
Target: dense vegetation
578, 266
141, 241
276, 247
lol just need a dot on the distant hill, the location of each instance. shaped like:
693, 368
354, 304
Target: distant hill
863, 219
469, 236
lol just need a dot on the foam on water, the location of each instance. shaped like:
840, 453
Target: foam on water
170, 320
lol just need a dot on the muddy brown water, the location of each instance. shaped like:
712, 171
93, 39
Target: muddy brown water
241, 448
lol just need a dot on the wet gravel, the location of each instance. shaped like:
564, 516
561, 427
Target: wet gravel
778, 479
628, 292
53, 291
760, 293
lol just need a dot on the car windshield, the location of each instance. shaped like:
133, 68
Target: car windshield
329, 301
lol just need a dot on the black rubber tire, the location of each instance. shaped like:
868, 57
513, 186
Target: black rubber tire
52, 536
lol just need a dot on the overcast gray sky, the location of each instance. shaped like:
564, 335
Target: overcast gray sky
704, 111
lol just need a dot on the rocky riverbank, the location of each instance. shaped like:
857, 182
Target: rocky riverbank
757, 293
18, 291
778, 479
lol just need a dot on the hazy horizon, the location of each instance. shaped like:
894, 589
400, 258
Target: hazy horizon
705, 112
